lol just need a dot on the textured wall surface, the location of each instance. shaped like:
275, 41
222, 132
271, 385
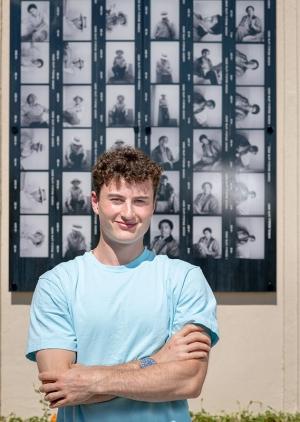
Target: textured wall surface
258, 355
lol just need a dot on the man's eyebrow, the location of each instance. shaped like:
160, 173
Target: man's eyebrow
117, 195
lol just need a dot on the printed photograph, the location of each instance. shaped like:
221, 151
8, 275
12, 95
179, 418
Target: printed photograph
207, 193
165, 20
34, 149
167, 196
34, 62
250, 64
120, 19
34, 236
164, 235
250, 238
76, 236
248, 193
207, 106
207, 237
119, 137
249, 150
34, 192
77, 106
207, 20
77, 63
250, 107
120, 62
249, 21
207, 67
77, 20
35, 21
76, 193
120, 101
207, 150
165, 147
164, 62
35, 106
77, 145
165, 105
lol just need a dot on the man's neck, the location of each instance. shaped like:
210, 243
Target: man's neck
109, 253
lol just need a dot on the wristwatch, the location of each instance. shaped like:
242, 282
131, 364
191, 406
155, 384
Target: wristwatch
147, 361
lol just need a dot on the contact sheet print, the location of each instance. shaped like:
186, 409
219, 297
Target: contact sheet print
192, 83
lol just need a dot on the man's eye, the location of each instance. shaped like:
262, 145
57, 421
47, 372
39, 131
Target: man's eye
116, 200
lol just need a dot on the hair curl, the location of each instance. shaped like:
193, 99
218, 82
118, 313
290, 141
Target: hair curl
127, 163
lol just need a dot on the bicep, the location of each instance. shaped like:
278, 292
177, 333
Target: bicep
54, 359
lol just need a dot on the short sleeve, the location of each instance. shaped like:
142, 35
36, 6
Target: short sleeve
50, 320
196, 304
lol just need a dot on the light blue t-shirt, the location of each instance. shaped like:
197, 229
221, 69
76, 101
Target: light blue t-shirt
111, 315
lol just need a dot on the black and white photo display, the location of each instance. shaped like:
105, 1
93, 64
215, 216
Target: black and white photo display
192, 84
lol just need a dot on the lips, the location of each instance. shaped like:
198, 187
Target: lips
125, 226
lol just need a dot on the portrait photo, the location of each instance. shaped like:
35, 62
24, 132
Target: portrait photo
120, 19
77, 106
207, 106
76, 192
249, 150
34, 236
120, 100
34, 149
168, 193
76, 234
165, 105
207, 149
164, 146
34, 62
120, 62
248, 193
250, 21
250, 107
165, 20
250, 64
35, 106
250, 238
35, 21
77, 144
164, 235
34, 192
77, 62
207, 20
207, 237
77, 20
207, 193
164, 62
119, 137
207, 63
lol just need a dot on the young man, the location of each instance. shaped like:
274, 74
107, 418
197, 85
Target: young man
115, 311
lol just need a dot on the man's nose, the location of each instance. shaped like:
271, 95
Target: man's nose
127, 211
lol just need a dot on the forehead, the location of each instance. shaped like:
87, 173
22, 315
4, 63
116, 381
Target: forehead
128, 189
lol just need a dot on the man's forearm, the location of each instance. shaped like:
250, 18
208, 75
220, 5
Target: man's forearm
162, 382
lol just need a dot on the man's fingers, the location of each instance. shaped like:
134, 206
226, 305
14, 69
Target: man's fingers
48, 376
201, 337
48, 388
198, 346
58, 403
53, 397
189, 328
198, 355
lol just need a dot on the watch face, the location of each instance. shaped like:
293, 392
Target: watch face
144, 362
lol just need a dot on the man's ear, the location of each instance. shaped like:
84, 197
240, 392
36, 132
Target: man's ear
95, 202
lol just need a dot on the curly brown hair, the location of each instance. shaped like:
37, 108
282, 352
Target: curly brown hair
128, 163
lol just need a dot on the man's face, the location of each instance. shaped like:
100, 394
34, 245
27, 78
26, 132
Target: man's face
204, 141
206, 188
207, 234
163, 142
38, 195
125, 211
165, 229
250, 11
33, 12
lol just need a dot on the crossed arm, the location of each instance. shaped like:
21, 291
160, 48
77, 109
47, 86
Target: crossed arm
179, 374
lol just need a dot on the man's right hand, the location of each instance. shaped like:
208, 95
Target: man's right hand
191, 342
